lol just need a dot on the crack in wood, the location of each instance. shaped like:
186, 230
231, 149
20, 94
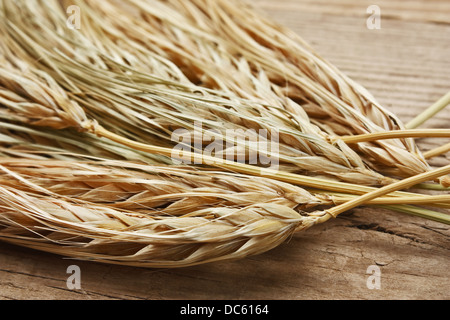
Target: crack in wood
30, 275
378, 228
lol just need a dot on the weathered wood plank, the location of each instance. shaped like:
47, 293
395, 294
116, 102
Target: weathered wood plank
435, 11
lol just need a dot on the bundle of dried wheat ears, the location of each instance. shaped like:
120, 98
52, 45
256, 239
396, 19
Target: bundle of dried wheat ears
87, 118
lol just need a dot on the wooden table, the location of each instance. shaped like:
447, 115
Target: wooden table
405, 64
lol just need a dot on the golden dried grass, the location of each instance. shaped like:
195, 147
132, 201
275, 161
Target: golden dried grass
209, 61
118, 212
150, 216
148, 85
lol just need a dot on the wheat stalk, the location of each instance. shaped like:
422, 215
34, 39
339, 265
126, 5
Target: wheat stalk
437, 151
303, 149
404, 184
334, 102
104, 81
135, 187
339, 161
64, 118
105, 235
67, 112
115, 182
19, 140
410, 133
150, 216
119, 212
430, 112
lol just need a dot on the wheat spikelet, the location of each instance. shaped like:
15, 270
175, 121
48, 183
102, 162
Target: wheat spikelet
19, 140
319, 158
150, 216
25, 143
233, 39
54, 199
150, 106
134, 187
26, 111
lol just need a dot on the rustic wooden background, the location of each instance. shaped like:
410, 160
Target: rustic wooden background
406, 66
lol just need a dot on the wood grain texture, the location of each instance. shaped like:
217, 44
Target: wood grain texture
405, 66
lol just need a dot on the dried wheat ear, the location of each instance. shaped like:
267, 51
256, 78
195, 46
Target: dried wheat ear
191, 69
141, 215
87, 116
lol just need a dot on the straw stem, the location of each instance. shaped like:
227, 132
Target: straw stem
395, 134
430, 112
437, 152
298, 179
403, 184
